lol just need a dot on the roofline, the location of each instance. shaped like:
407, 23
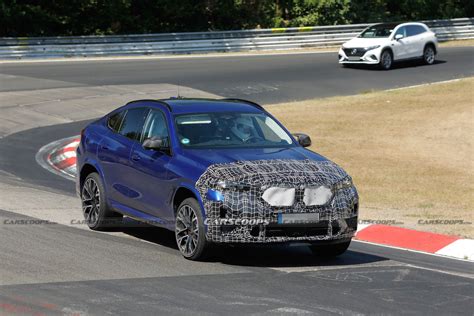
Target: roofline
162, 102
168, 106
245, 101
387, 23
398, 23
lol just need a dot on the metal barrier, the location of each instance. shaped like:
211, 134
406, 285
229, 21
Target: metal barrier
196, 42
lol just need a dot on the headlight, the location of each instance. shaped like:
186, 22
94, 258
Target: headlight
371, 47
225, 184
343, 184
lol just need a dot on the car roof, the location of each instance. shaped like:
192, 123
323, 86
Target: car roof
389, 25
393, 25
196, 105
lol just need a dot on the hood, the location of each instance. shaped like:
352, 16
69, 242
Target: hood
197, 161
357, 42
272, 173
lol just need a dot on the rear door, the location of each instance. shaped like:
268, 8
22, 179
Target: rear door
114, 154
417, 35
150, 176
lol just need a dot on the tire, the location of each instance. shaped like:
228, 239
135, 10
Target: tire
429, 55
96, 212
190, 232
386, 60
330, 251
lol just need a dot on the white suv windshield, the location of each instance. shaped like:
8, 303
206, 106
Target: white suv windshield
230, 130
378, 31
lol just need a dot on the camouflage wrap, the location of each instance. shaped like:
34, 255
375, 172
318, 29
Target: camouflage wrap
243, 200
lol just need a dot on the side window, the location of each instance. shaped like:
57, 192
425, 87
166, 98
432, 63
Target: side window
413, 30
420, 29
155, 126
132, 124
402, 30
115, 121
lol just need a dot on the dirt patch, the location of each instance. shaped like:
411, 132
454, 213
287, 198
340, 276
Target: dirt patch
410, 151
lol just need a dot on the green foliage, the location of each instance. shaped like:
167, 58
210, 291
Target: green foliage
319, 12
94, 17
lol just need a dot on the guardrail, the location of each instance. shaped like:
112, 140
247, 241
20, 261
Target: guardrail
203, 42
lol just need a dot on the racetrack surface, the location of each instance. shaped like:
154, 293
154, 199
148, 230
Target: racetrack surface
266, 79
57, 269
76, 271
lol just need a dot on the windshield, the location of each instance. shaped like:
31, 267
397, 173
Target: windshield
230, 130
381, 30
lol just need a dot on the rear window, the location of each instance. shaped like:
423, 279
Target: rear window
132, 124
413, 30
115, 121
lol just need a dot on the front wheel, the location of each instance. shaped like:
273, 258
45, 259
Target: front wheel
386, 60
189, 230
329, 251
429, 55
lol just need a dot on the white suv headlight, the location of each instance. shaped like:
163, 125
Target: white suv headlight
371, 47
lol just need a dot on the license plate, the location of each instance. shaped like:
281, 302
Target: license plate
305, 218
353, 58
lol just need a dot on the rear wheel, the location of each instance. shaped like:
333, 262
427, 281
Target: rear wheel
189, 230
386, 60
429, 55
97, 214
329, 251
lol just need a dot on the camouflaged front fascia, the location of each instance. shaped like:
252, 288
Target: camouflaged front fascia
262, 174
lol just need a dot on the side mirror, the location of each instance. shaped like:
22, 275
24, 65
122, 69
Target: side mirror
303, 139
156, 143
398, 37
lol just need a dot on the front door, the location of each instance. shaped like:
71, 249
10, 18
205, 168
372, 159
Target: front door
401, 47
150, 175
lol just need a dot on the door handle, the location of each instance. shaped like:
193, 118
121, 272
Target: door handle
135, 157
104, 147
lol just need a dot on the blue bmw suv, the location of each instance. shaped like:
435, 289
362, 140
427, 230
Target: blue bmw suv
213, 171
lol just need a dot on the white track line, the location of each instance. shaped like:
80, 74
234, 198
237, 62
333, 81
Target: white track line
425, 84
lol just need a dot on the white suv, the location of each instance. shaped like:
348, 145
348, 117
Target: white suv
382, 44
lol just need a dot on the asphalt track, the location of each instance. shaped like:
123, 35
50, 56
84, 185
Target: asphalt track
266, 79
57, 269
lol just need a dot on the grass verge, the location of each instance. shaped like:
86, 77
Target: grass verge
409, 151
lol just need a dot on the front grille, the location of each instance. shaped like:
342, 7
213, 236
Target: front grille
354, 52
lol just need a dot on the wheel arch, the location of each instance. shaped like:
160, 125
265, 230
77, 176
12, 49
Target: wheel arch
86, 169
430, 43
183, 192
389, 49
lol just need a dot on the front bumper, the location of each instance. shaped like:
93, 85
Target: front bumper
371, 57
242, 216
336, 221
